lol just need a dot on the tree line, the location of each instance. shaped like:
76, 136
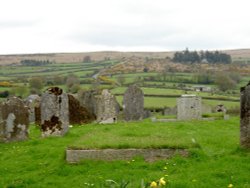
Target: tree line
32, 62
201, 57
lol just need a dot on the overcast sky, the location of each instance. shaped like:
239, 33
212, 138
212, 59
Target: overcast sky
41, 26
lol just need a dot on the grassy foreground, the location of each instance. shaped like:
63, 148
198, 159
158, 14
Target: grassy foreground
215, 157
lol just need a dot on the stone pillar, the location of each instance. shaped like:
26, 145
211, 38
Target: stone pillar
33, 102
189, 107
107, 108
133, 103
54, 112
245, 116
14, 120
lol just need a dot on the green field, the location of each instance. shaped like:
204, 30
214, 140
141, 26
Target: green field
215, 158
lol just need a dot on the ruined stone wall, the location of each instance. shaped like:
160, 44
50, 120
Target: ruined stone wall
14, 120
189, 107
54, 112
133, 104
245, 117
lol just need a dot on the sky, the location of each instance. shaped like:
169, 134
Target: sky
49, 26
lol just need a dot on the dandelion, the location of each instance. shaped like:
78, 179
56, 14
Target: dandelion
165, 168
153, 184
230, 185
162, 182
166, 175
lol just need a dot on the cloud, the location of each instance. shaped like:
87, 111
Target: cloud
91, 25
15, 24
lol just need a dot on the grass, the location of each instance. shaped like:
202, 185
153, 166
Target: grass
215, 157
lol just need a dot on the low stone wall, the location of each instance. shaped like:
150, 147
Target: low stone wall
150, 155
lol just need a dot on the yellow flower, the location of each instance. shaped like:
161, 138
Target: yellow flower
162, 182
153, 184
230, 185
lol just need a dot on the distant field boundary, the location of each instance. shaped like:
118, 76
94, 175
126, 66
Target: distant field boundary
176, 96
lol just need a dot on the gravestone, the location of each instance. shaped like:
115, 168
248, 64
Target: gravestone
33, 103
189, 107
54, 112
107, 108
133, 104
14, 120
77, 113
245, 116
88, 100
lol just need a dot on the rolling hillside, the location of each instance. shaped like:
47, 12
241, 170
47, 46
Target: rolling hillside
98, 56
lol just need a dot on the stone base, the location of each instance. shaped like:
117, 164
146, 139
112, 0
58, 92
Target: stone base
150, 155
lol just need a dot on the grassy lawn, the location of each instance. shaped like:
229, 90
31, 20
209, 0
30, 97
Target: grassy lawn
215, 157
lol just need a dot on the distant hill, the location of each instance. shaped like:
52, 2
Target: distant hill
78, 57
98, 56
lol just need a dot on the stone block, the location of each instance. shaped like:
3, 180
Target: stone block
14, 120
189, 107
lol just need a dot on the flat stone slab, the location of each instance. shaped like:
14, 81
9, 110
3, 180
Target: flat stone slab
150, 155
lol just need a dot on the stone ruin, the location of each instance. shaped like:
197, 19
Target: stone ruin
189, 107
33, 103
54, 112
107, 108
220, 108
77, 113
245, 116
14, 120
133, 104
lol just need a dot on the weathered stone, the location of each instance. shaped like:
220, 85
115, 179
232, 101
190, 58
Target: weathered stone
54, 112
189, 107
220, 108
107, 108
150, 155
88, 100
147, 114
169, 111
33, 103
77, 113
245, 116
14, 120
133, 103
